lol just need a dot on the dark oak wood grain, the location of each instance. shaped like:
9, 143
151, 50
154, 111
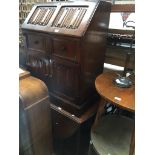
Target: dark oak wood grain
67, 61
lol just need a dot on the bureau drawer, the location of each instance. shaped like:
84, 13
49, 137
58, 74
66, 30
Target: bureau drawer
36, 42
65, 48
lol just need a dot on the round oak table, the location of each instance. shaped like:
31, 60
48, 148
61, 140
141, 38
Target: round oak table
122, 97
113, 135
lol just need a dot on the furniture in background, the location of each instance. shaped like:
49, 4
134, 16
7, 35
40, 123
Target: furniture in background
113, 134
120, 40
35, 134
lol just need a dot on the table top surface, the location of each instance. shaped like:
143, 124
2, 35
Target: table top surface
23, 73
122, 97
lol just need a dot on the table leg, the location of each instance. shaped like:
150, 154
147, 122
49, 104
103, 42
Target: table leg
100, 111
132, 143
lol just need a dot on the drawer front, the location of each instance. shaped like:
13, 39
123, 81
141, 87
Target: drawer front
65, 49
36, 42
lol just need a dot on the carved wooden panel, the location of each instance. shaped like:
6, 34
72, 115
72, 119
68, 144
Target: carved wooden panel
41, 15
70, 17
66, 79
39, 64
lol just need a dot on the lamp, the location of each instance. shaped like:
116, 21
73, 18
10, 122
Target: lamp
123, 80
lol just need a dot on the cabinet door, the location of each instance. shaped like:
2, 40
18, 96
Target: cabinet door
66, 79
